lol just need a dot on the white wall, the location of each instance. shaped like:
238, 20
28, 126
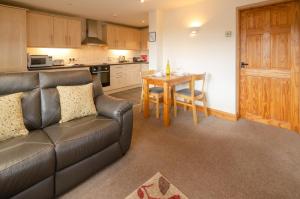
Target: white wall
210, 51
156, 48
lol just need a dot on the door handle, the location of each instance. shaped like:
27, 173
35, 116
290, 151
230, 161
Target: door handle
244, 65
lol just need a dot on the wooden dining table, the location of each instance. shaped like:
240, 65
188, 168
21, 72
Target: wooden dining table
166, 82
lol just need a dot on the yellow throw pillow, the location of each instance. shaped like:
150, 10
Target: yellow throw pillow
76, 102
11, 117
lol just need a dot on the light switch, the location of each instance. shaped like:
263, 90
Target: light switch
228, 33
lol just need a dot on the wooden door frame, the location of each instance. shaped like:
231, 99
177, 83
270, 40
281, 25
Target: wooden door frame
238, 36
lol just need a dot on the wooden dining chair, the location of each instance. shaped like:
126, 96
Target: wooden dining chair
190, 96
155, 94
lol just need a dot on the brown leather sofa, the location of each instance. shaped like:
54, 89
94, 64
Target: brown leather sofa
55, 157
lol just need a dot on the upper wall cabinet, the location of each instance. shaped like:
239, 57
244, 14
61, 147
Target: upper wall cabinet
133, 39
49, 31
12, 39
120, 37
144, 39
74, 33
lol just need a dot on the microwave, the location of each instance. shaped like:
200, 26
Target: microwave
37, 61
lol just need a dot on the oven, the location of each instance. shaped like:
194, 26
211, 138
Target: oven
103, 72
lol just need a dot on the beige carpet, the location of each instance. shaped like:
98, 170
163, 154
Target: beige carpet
216, 159
132, 95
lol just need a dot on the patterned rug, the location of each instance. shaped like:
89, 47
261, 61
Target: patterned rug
158, 187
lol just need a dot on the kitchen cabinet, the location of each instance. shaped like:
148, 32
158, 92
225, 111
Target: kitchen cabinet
44, 30
74, 33
121, 37
12, 39
117, 77
110, 35
133, 74
39, 30
144, 67
115, 36
60, 32
133, 39
144, 38
122, 76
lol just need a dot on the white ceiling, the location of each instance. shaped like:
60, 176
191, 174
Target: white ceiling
130, 12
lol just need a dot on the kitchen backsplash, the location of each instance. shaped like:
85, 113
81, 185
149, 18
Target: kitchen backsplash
86, 54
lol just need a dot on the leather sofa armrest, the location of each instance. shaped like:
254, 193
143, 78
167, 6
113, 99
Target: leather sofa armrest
112, 107
120, 110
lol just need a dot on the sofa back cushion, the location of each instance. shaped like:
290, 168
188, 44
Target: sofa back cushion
51, 112
28, 83
76, 102
11, 117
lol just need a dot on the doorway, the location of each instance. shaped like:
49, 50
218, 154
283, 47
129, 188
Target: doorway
269, 64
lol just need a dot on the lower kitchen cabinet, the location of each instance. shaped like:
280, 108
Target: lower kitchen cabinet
144, 67
124, 76
133, 74
117, 77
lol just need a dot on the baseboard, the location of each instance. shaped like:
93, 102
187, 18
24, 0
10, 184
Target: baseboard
214, 112
218, 113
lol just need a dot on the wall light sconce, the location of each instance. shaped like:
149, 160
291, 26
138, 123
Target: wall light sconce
194, 31
194, 28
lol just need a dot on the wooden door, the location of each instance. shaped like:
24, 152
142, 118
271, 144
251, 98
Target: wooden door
12, 39
74, 33
60, 32
269, 81
39, 30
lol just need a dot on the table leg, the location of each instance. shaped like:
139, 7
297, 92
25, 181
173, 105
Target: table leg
146, 98
166, 104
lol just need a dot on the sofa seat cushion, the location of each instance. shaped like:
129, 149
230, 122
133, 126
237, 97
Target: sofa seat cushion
80, 138
25, 161
156, 90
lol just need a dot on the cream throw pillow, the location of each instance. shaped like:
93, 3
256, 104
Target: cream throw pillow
11, 117
76, 102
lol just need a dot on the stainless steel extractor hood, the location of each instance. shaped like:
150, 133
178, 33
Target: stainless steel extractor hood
92, 34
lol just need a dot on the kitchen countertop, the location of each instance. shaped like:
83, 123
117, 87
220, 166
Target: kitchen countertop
82, 66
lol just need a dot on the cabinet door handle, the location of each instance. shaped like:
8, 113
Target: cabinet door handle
67, 42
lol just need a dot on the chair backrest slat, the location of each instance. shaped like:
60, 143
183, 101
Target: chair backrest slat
146, 73
198, 77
